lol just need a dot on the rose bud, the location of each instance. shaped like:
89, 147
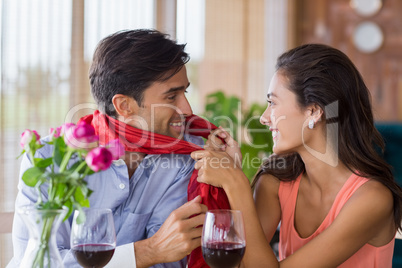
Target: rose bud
99, 158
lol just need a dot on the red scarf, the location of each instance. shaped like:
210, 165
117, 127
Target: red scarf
138, 140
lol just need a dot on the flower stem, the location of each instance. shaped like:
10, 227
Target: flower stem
69, 194
81, 165
65, 160
44, 243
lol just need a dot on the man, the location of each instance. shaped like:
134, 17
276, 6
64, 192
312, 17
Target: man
138, 79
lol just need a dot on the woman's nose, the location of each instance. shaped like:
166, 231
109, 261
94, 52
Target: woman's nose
265, 118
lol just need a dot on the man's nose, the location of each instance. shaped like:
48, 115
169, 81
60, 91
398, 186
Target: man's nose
184, 107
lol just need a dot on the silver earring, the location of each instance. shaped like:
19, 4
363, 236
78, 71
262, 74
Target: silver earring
311, 124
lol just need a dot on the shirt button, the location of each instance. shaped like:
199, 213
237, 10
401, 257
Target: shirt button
122, 186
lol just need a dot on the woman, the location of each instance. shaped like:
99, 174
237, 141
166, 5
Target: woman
334, 196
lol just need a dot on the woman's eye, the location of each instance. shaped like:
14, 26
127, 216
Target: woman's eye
270, 103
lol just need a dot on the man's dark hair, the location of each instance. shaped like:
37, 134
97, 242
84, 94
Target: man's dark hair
128, 62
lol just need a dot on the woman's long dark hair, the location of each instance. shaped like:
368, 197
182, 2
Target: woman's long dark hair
322, 75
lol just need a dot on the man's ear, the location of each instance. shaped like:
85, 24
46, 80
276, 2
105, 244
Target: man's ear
315, 112
124, 105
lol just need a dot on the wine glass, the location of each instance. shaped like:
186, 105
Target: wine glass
93, 241
223, 238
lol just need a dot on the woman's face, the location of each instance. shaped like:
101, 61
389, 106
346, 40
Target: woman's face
284, 116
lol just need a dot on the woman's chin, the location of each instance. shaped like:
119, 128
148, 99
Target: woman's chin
281, 151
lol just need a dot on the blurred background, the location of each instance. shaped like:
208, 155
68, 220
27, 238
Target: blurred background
47, 45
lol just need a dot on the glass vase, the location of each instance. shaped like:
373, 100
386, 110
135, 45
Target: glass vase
42, 249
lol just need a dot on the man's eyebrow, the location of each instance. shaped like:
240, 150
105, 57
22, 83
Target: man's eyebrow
174, 89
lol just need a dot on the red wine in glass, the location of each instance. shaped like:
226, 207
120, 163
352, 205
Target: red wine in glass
93, 255
93, 238
223, 239
223, 254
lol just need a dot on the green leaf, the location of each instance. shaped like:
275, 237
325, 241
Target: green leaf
80, 198
21, 154
59, 150
59, 178
32, 175
69, 205
60, 191
251, 161
50, 205
43, 163
81, 216
86, 192
89, 193
84, 189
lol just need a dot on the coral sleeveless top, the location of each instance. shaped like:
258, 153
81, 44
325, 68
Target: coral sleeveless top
290, 241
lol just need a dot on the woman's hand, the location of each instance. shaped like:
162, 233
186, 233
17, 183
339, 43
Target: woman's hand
217, 168
230, 146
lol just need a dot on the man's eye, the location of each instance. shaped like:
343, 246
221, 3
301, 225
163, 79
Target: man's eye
270, 103
173, 97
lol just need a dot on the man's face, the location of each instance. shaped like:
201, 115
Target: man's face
164, 107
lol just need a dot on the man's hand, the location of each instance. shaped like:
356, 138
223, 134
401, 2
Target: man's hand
177, 237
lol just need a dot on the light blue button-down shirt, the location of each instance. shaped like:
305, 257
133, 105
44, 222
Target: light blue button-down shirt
140, 205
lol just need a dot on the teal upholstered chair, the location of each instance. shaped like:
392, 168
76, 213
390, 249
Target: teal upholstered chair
392, 134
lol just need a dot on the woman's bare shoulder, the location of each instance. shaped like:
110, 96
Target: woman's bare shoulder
374, 203
374, 192
376, 200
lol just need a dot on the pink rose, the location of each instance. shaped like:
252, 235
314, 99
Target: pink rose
80, 136
65, 127
27, 137
55, 132
116, 148
99, 158
85, 132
